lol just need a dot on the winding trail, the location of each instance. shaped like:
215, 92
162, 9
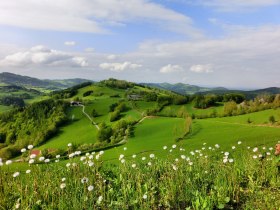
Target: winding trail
86, 114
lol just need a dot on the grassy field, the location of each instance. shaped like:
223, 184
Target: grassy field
4, 108
79, 131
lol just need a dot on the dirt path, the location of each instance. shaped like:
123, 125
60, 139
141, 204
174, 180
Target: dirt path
94, 123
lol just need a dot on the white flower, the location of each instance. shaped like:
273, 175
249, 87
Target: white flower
41, 158
78, 152
23, 150
174, 167
217, 145
145, 196
69, 145
84, 180
97, 156
149, 163
90, 163
225, 160
204, 143
63, 185
270, 148
121, 157
248, 147
239, 142
209, 148
122, 160
32, 156
47, 160
165, 147
16, 174
133, 156
30, 147
63, 179
226, 153
68, 165
255, 156
99, 200
206, 156
101, 152
183, 157
17, 205
28, 171
143, 158
87, 154
31, 161
233, 147
170, 150
1, 164
74, 164
203, 148
192, 153
83, 158
230, 160
255, 149
57, 156
8, 162
152, 155
71, 155
174, 146
90, 188
133, 165
90, 157
190, 163
206, 172
176, 160
260, 155
124, 148
268, 153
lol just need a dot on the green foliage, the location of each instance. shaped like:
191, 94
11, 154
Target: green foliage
12, 101
104, 133
237, 98
115, 115
230, 108
87, 93
272, 119
94, 113
33, 125
120, 84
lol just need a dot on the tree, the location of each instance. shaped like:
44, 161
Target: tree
272, 119
104, 133
94, 113
230, 108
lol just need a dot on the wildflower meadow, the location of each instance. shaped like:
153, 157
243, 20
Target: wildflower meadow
209, 177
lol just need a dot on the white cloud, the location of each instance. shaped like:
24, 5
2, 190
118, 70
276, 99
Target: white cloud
70, 43
41, 55
111, 57
94, 16
201, 68
237, 5
89, 50
119, 67
170, 69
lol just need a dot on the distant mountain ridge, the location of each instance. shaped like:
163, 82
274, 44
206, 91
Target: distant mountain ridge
184, 89
7, 78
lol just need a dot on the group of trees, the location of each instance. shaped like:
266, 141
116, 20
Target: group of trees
120, 84
116, 109
12, 101
121, 130
69, 92
33, 124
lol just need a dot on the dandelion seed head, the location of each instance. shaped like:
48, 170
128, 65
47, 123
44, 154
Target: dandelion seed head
133, 165
233, 147
152, 155
239, 142
41, 159
124, 148
63, 179
30, 147
174, 146
9, 162
122, 160
121, 157
143, 158
99, 200
217, 146
57, 156
62, 186
90, 188
69, 145
133, 156
145, 196
47, 160
230, 160
165, 147
149, 163
16, 174
23, 150
255, 149
31, 161
84, 180
32, 156
255, 156
28, 171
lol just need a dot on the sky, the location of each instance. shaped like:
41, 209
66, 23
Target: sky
212, 43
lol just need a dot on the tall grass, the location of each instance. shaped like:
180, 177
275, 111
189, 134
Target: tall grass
207, 178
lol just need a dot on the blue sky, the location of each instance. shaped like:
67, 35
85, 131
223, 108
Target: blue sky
230, 43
